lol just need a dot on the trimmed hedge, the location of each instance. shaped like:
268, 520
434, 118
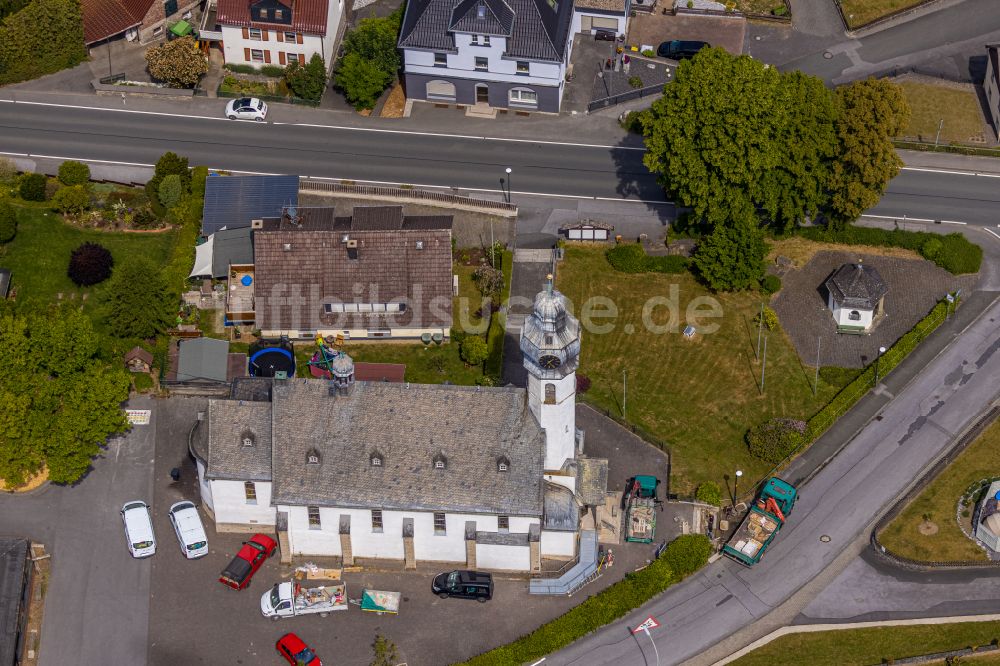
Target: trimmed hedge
771, 284
683, 556
952, 252
776, 439
708, 492
631, 258
866, 378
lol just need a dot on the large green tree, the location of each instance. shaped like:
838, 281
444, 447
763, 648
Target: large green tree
58, 401
371, 59
139, 302
307, 81
179, 63
361, 81
731, 258
869, 114
732, 134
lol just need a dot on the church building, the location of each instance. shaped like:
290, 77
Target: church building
484, 477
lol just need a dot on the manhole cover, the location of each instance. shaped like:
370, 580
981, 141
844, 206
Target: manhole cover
827, 55
825, 538
757, 37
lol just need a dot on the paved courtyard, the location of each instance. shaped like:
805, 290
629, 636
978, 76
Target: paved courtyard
652, 29
195, 620
914, 285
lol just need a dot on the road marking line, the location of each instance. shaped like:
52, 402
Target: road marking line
952, 222
467, 136
898, 218
990, 231
960, 172
333, 127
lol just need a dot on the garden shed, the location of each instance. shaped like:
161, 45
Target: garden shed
138, 360
855, 297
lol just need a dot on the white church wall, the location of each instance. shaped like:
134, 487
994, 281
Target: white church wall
558, 544
503, 558
233, 512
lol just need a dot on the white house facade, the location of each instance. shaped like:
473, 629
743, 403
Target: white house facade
269, 32
591, 16
508, 54
406, 472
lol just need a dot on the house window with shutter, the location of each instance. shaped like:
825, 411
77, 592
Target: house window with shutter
263, 13
290, 37
256, 55
254, 34
279, 14
440, 524
292, 57
314, 520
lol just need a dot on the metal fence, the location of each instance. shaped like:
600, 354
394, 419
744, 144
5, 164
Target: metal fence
405, 193
638, 93
114, 78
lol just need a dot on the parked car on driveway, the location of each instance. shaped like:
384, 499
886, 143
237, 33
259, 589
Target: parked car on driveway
246, 108
295, 650
464, 584
189, 530
250, 557
677, 49
138, 529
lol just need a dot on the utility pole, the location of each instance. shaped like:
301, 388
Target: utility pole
763, 367
819, 341
760, 325
938, 136
624, 383
110, 73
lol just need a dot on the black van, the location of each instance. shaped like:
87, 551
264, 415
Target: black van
677, 49
464, 584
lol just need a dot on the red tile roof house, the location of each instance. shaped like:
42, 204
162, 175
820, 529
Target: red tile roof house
145, 20
269, 32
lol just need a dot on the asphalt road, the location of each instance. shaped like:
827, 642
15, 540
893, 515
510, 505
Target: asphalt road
875, 467
97, 601
435, 159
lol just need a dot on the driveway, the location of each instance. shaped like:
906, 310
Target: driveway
97, 599
651, 29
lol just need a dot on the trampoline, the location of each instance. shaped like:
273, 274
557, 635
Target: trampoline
269, 359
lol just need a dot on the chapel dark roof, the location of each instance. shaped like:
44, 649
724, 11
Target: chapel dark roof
857, 285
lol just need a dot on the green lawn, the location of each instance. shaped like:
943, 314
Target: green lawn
862, 647
860, 12
929, 104
38, 258
700, 395
938, 502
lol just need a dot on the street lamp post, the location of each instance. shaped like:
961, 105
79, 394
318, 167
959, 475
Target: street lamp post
508, 170
736, 485
881, 350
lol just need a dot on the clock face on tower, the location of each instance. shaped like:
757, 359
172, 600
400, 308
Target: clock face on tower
549, 362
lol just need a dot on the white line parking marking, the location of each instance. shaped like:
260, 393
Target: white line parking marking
898, 218
952, 222
957, 172
991, 232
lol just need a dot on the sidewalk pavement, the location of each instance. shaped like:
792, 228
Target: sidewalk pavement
844, 429
932, 160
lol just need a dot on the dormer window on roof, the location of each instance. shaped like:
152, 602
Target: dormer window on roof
481, 11
440, 461
312, 457
247, 439
376, 459
503, 464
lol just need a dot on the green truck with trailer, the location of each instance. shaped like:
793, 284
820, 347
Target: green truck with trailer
640, 509
762, 522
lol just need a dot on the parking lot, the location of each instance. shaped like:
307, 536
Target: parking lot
193, 619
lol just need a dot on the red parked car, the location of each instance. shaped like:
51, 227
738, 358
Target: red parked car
238, 573
294, 649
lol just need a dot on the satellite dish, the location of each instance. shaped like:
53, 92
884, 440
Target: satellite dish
292, 212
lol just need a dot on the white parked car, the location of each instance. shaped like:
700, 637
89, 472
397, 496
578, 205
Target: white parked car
246, 108
190, 532
138, 529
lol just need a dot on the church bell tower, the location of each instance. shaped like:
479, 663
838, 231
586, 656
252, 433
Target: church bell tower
550, 344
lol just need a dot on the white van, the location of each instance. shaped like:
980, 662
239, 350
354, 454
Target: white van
138, 529
190, 532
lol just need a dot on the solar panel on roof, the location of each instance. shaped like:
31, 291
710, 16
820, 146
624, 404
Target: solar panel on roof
231, 202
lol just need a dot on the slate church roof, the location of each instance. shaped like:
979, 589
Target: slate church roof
534, 29
409, 427
857, 286
238, 440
